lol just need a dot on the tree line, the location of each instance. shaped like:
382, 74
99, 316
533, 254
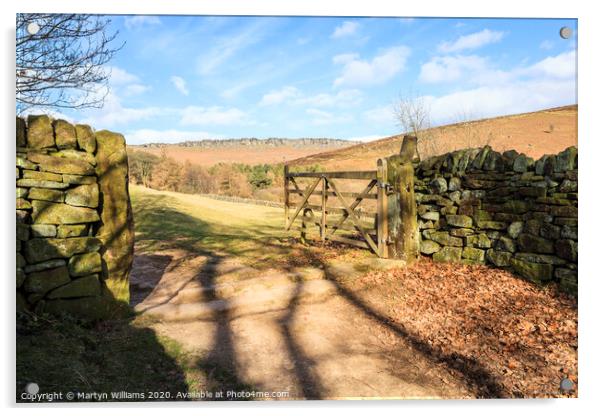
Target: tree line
163, 172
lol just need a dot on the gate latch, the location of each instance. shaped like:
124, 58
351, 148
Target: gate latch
386, 186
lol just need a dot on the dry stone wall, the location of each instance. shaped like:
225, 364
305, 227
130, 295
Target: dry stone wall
74, 219
504, 209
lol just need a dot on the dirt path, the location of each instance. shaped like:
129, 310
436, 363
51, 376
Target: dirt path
234, 292
280, 330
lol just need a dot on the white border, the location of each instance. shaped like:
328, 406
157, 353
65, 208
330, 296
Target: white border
590, 143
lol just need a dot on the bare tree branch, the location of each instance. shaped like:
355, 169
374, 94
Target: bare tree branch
63, 65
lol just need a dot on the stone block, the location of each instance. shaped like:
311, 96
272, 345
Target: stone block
84, 264
535, 272
459, 221
64, 135
46, 194
36, 183
46, 280
534, 244
41, 249
82, 287
75, 230
473, 254
499, 258
45, 212
566, 249
40, 133
448, 254
83, 196
61, 165
85, 138
429, 247
43, 230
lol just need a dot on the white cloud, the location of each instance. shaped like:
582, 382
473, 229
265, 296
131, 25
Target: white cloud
382, 114
135, 22
279, 96
546, 45
293, 96
120, 76
135, 89
346, 28
559, 66
472, 41
180, 84
344, 58
383, 67
194, 115
227, 46
450, 68
166, 136
547, 83
320, 117
511, 98
114, 113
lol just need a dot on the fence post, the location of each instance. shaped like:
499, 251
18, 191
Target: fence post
382, 227
324, 200
307, 216
286, 185
402, 222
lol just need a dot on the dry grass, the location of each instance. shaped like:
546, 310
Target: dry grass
535, 134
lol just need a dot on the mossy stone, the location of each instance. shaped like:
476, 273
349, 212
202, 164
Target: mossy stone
84, 286
45, 212
448, 254
84, 264
40, 133
64, 135
41, 249
535, 272
429, 247
46, 280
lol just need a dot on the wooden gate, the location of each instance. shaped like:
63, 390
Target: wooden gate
309, 207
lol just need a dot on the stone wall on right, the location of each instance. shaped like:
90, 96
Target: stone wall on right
504, 209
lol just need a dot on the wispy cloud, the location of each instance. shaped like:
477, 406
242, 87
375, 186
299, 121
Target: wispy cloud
227, 46
320, 117
450, 68
382, 115
194, 115
279, 96
380, 69
166, 136
135, 22
293, 96
180, 84
472, 41
346, 28
546, 45
113, 113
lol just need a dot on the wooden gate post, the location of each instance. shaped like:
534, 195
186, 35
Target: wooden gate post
286, 197
402, 222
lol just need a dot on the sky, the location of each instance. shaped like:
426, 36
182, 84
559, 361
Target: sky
203, 77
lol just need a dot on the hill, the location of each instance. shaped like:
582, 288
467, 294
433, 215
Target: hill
246, 150
535, 134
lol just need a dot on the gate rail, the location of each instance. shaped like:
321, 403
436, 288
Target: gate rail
352, 217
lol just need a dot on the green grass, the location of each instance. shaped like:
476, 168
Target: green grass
67, 355
166, 220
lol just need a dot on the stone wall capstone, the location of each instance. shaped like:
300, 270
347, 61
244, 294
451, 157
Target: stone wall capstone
74, 219
504, 209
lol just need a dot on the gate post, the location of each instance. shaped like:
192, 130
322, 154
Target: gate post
402, 223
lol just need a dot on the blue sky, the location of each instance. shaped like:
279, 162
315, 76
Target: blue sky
186, 77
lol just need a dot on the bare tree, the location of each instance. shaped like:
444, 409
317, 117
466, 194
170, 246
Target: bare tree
61, 60
413, 115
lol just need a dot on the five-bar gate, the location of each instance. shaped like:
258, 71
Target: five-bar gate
314, 202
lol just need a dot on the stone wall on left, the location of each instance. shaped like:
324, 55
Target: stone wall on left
63, 260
